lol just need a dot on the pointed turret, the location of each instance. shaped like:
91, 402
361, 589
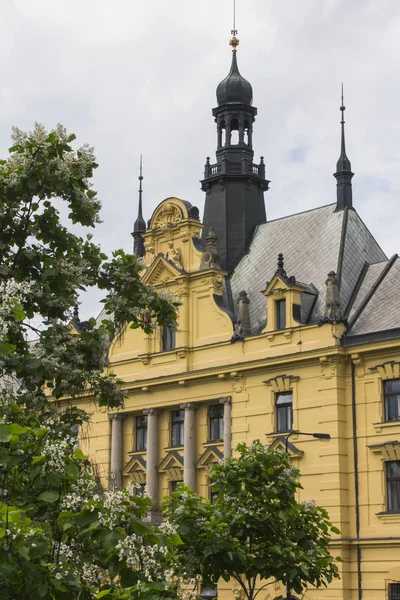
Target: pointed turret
139, 226
343, 173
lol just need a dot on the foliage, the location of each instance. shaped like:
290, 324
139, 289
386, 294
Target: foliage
61, 536
255, 530
49, 265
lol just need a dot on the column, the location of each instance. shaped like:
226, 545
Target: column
227, 402
189, 445
152, 452
116, 450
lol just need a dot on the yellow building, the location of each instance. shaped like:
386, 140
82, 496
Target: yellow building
285, 326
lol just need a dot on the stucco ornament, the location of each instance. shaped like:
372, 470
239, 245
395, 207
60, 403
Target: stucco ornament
168, 215
174, 255
210, 258
238, 594
332, 310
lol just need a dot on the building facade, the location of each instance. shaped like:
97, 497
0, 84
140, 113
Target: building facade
284, 326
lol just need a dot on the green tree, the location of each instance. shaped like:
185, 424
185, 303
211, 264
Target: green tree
62, 536
51, 265
255, 530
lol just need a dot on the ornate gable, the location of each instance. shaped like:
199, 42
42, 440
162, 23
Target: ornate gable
279, 443
172, 465
136, 469
211, 455
160, 272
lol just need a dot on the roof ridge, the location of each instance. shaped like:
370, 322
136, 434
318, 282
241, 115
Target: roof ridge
339, 268
296, 214
372, 291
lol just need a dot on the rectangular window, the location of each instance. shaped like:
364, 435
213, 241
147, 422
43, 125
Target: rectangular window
168, 338
216, 422
284, 411
281, 314
141, 433
174, 485
177, 421
392, 400
394, 591
393, 485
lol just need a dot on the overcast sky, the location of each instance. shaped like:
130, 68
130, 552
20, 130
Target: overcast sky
131, 77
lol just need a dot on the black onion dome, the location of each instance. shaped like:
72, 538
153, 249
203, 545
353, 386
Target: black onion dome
234, 88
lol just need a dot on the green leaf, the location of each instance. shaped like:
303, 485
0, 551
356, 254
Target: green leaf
49, 496
78, 454
139, 527
6, 348
103, 593
5, 433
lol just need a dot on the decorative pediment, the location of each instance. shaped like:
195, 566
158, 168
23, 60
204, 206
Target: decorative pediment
136, 468
388, 370
167, 214
211, 455
172, 465
160, 272
282, 383
387, 450
279, 443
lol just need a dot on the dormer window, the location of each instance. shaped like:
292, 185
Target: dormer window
281, 314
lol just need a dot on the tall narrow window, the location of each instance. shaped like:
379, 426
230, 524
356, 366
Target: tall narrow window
281, 314
177, 423
284, 411
394, 591
216, 422
392, 400
168, 338
393, 485
174, 485
141, 433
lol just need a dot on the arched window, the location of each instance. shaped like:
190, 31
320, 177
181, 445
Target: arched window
246, 132
222, 133
234, 132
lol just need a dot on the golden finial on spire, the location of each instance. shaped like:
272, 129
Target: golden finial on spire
234, 42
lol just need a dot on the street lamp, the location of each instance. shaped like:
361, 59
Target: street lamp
318, 436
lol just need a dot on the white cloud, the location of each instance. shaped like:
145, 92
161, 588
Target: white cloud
132, 77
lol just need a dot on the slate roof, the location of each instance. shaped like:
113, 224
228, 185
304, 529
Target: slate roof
313, 243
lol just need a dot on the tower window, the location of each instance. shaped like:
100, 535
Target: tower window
234, 132
168, 338
393, 485
392, 400
177, 424
284, 411
141, 433
216, 421
281, 314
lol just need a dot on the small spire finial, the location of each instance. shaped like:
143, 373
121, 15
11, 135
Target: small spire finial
139, 226
343, 173
234, 42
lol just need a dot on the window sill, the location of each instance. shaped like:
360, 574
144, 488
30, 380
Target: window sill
389, 516
137, 452
213, 443
169, 448
385, 424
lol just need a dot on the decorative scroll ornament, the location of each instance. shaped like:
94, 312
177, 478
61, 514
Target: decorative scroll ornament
168, 215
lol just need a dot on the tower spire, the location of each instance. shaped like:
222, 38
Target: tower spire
343, 173
139, 226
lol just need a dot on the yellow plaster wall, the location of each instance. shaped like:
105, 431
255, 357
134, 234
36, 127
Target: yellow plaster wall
306, 359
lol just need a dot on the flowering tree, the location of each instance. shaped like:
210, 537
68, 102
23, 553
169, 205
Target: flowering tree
50, 265
61, 535
255, 530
